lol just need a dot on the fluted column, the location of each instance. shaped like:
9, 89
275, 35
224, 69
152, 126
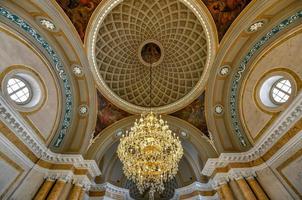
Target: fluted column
75, 192
226, 191
82, 194
44, 189
256, 188
246, 190
219, 192
57, 189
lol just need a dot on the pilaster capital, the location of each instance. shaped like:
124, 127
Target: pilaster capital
217, 182
236, 175
66, 178
62, 176
82, 181
50, 177
251, 177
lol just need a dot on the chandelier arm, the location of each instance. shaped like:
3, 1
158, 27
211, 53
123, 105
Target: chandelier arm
150, 105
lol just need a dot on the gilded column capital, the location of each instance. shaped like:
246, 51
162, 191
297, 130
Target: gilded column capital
50, 177
82, 181
217, 182
62, 176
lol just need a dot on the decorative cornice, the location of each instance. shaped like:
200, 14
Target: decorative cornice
14, 121
111, 188
196, 186
282, 124
56, 64
235, 86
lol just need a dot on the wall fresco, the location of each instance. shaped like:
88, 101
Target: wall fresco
194, 114
79, 12
224, 12
107, 114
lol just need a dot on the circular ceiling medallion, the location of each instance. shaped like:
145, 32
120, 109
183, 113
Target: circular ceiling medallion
151, 53
174, 37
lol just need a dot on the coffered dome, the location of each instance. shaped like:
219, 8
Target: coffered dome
130, 41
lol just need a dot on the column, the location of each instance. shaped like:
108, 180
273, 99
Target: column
75, 192
226, 191
257, 188
82, 194
236, 190
57, 189
44, 189
246, 190
219, 192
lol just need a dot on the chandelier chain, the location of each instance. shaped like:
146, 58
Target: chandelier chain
150, 152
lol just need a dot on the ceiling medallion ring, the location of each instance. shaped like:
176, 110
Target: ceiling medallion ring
151, 52
211, 44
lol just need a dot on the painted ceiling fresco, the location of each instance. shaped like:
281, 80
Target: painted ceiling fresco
107, 114
79, 12
194, 114
224, 12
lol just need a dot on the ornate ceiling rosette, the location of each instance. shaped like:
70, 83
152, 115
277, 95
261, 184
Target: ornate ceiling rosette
177, 39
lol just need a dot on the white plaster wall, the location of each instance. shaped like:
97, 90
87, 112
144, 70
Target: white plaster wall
287, 54
29, 186
272, 186
14, 51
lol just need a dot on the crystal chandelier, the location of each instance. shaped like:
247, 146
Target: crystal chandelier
150, 152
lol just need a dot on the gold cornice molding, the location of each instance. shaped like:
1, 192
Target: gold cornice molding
198, 193
286, 127
38, 161
23, 137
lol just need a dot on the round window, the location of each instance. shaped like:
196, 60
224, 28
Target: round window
23, 88
281, 91
276, 90
19, 90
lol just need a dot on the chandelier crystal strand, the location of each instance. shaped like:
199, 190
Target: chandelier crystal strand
150, 153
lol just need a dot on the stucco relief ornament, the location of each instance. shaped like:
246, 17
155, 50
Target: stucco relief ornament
77, 70
256, 26
47, 24
224, 70
218, 109
83, 110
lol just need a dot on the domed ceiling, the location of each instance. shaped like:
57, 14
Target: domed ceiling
151, 54
223, 12
135, 36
